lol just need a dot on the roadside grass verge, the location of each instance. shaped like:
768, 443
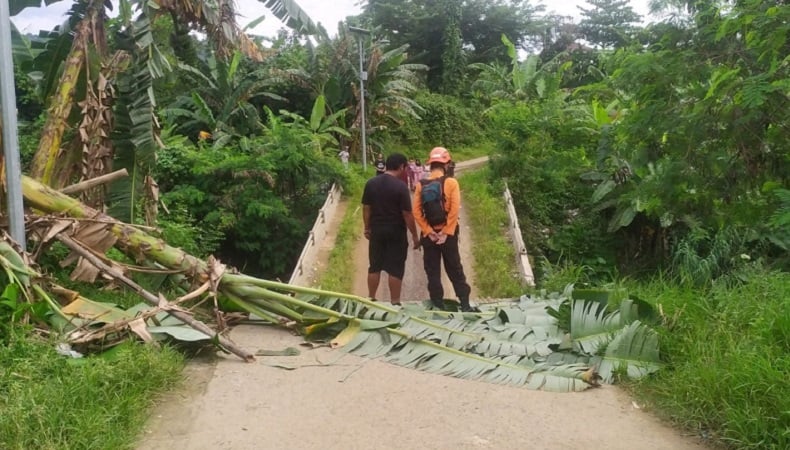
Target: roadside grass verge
728, 349
494, 256
339, 273
50, 401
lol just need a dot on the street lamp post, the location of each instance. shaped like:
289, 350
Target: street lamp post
363, 76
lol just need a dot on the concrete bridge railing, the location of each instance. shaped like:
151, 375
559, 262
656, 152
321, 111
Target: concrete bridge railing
514, 231
306, 267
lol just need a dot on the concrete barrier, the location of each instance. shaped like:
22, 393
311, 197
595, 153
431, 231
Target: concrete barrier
304, 271
514, 231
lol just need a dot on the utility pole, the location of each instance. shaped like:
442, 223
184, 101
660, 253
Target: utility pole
13, 168
363, 76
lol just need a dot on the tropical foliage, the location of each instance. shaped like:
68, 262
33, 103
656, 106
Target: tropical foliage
657, 151
672, 145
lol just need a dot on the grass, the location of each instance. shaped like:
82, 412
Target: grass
728, 363
494, 255
339, 273
49, 401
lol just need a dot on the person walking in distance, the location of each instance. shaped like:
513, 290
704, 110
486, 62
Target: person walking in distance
436, 206
380, 164
344, 156
387, 214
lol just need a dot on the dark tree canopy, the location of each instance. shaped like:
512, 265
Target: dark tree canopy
429, 26
608, 23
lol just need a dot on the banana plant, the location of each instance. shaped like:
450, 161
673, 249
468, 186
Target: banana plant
323, 128
221, 104
524, 80
87, 39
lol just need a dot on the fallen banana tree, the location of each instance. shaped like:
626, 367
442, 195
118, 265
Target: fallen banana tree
518, 342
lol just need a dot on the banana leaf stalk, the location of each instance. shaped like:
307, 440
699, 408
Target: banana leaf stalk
153, 300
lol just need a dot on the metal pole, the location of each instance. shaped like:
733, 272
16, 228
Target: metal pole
363, 75
13, 168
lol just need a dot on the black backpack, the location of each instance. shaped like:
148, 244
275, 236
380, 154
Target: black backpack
432, 201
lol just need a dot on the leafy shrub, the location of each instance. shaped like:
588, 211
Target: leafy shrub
255, 202
542, 155
180, 229
445, 121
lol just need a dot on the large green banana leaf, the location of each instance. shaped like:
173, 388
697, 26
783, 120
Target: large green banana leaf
515, 342
633, 350
291, 14
402, 348
592, 326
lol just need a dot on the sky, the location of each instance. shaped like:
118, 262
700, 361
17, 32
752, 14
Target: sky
328, 12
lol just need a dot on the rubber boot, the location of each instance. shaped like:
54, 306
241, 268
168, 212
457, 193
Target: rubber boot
465, 307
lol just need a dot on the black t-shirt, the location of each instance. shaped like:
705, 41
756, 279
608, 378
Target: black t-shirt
388, 197
380, 166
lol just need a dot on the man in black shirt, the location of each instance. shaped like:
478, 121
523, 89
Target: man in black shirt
387, 213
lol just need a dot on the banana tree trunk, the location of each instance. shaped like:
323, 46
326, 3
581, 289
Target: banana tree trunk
131, 239
45, 161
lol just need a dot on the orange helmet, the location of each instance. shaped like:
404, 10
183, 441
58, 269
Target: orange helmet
439, 154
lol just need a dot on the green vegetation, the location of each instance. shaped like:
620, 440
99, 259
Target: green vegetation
340, 271
494, 256
51, 401
656, 162
727, 351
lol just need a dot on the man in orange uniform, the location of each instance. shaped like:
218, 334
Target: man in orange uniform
440, 240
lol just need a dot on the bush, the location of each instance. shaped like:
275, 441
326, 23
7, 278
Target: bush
255, 201
543, 157
445, 121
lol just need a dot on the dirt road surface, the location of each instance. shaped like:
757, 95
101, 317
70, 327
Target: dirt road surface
326, 399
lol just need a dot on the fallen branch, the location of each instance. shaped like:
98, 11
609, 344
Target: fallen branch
87, 184
154, 300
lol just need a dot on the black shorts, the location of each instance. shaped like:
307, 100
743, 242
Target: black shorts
387, 251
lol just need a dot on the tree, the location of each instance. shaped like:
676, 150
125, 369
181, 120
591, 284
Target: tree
452, 51
331, 70
608, 23
700, 147
91, 57
428, 29
221, 104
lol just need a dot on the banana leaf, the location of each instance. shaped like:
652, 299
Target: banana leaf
591, 326
633, 350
